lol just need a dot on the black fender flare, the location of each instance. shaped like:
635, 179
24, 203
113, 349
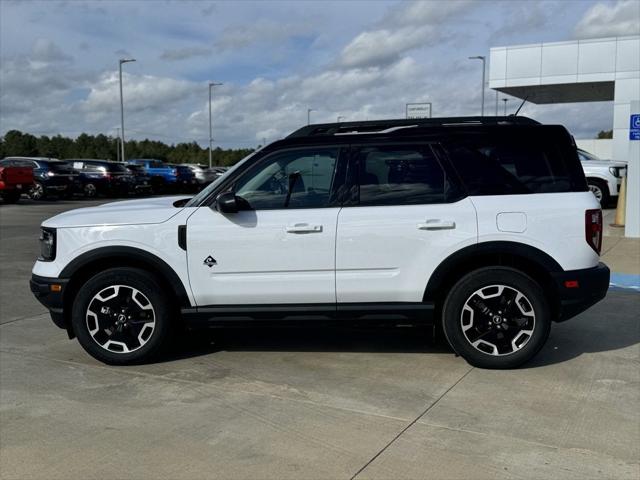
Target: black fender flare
494, 252
136, 257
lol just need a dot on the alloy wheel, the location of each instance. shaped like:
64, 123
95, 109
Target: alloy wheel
498, 320
120, 319
36, 192
596, 190
90, 190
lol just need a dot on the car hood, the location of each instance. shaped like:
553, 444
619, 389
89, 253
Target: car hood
128, 212
603, 163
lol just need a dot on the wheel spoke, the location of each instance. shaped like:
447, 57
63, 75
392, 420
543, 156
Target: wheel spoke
497, 319
120, 318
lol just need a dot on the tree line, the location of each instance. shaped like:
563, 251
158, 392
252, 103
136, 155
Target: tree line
16, 143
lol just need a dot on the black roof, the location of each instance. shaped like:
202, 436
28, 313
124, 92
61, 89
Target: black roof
401, 125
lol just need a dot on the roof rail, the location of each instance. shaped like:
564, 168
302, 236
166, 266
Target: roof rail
392, 125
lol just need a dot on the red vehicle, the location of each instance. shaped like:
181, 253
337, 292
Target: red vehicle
14, 181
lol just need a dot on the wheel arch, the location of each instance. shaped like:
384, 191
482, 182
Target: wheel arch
530, 260
79, 270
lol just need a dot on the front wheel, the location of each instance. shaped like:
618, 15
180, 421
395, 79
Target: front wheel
496, 317
122, 316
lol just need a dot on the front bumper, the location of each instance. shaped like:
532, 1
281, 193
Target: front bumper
48, 293
580, 289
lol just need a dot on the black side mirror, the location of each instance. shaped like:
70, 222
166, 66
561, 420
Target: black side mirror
227, 203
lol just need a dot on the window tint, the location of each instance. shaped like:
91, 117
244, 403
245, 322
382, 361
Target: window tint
399, 175
294, 179
116, 168
501, 167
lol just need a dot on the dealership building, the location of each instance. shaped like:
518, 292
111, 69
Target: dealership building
606, 69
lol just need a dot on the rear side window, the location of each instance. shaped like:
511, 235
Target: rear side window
116, 168
398, 175
492, 166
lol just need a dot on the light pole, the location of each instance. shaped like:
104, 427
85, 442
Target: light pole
117, 146
496, 103
505, 100
309, 110
121, 61
484, 62
211, 85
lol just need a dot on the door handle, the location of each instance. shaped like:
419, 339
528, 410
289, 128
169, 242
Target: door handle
303, 228
437, 224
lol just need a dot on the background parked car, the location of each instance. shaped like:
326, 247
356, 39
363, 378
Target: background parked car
14, 181
103, 177
50, 176
603, 176
142, 180
186, 181
162, 176
204, 175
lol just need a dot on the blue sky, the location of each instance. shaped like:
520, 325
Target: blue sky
357, 59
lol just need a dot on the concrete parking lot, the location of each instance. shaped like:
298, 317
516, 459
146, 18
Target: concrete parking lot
310, 403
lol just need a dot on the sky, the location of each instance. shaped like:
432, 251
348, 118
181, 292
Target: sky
276, 59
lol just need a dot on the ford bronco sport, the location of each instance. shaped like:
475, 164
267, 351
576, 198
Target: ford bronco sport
484, 226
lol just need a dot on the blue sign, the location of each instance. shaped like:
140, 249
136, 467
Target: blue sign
634, 127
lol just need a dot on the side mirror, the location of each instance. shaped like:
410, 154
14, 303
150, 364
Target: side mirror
227, 203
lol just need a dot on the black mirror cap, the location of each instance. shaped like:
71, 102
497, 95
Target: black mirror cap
226, 203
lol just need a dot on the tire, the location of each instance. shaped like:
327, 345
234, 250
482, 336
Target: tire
90, 190
37, 191
122, 316
599, 190
11, 197
496, 317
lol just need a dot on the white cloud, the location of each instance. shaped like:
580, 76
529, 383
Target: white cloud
404, 28
610, 20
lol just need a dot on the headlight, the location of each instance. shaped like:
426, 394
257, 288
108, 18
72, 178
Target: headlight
618, 172
50, 173
47, 244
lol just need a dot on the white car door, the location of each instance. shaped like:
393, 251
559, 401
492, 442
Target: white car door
279, 249
403, 220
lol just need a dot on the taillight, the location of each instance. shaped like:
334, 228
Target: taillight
593, 229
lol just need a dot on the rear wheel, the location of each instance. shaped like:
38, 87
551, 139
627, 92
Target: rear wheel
599, 190
496, 317
37, 191
122, 316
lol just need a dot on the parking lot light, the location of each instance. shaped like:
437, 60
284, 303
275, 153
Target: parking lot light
121, 61
211, 85
484, 62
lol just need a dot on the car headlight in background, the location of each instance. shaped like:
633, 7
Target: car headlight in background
618, 172
50, 174
47, 244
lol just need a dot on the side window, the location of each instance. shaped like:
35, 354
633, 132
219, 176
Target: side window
508, 168
294, 179
399, 175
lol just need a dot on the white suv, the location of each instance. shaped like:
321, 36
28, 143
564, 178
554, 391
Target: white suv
603, 176
484, 226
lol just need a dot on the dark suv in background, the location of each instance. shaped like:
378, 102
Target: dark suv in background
103, 177
50, 176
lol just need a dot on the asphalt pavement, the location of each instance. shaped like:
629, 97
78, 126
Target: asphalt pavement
304, 404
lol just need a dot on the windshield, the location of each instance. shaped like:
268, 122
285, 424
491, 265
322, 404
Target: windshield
195, 201
586, 155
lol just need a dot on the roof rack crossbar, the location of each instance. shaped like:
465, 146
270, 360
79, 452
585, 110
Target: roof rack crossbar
389, 126
373, 132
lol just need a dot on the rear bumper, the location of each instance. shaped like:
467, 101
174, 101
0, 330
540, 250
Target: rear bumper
580, 289
42, 288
